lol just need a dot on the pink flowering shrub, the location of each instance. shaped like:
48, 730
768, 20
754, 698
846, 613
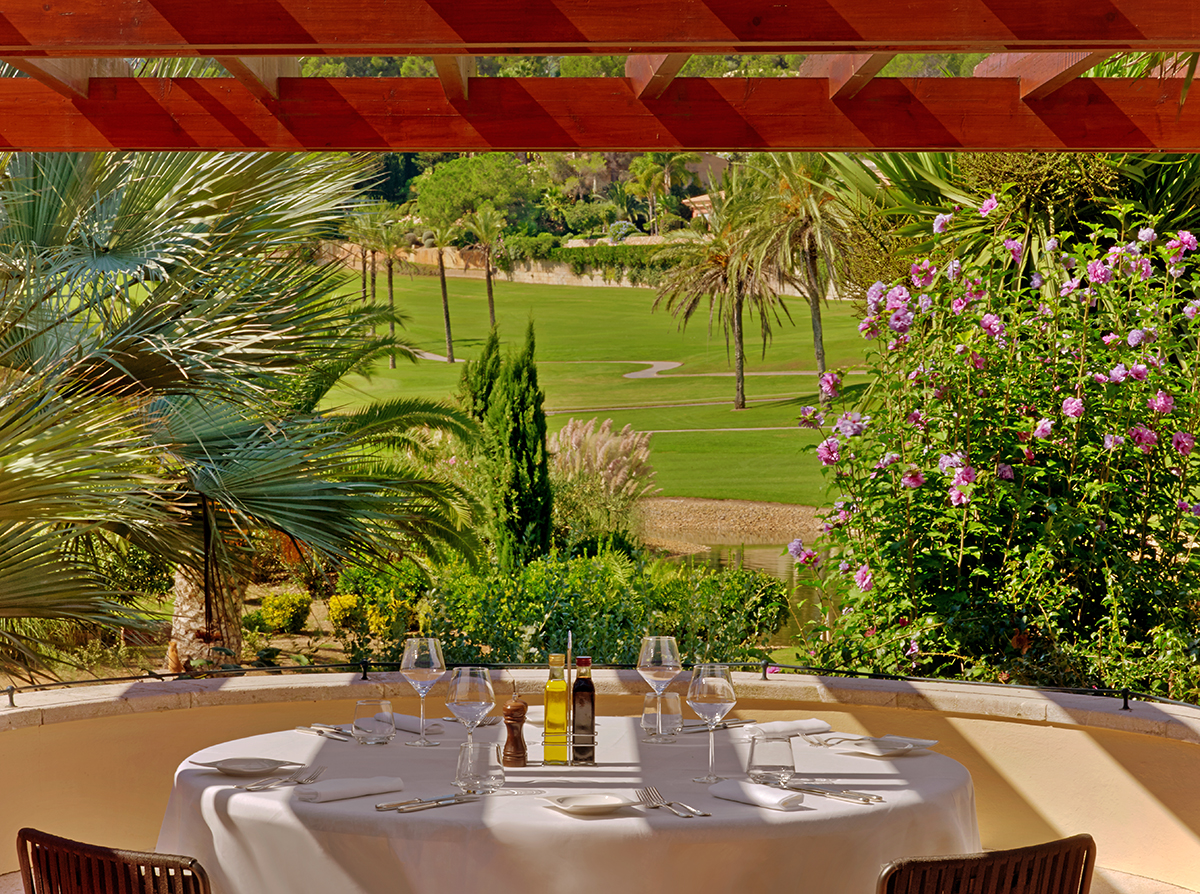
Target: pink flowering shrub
1016, 496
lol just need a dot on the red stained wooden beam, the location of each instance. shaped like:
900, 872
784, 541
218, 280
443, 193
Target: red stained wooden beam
455, 73
260, 74
479, 27
651, 75
847, 73
1040, 74
598, 114
70, 77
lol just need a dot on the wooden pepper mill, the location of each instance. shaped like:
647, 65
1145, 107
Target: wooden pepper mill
515, 752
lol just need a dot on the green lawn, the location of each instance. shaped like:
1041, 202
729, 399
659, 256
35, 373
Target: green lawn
589, 338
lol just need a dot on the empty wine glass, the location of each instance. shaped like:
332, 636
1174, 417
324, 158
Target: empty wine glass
771, 761
422, 665
470, 697
659, 664
711, 696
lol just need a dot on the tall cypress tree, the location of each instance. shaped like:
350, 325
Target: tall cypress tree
479, 378
514, 444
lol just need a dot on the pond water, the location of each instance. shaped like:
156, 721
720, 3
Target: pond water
774, 559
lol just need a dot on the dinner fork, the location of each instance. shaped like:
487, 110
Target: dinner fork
651, 798
302, 776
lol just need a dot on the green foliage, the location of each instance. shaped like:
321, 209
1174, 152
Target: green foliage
135, 572
254, 622
346, 611
520, 247
375, 607
286, 612
592, 67
515, 461
640, 264
610, 601
1017, 488
455, 188
479, 378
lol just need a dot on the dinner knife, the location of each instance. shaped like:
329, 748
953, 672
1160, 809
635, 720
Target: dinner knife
724, 724
328, 734
392, 805
853, 797
444, 802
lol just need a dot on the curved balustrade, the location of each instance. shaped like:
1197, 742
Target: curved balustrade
95, 763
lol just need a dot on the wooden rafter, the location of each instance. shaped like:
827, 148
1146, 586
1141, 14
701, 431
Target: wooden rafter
69, 77
651, 75
29, 28
600, 114
1040, 74
455, 73
847, 73
260, 74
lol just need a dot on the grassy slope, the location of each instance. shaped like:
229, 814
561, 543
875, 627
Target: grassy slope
586, 340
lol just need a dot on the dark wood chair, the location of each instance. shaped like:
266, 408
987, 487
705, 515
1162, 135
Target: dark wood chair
1056, 867
53, 865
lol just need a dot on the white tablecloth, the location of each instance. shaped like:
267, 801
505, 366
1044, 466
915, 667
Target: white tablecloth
272, 843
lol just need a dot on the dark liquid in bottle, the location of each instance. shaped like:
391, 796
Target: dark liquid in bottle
584, 723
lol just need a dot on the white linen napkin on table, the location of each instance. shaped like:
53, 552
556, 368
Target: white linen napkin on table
407, 723
785, 729
758, 795
339, 789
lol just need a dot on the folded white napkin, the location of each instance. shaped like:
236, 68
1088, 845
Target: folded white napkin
780, 729
407, 723
758, 795
339, 789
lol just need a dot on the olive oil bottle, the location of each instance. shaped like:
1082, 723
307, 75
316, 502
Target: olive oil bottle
557, 699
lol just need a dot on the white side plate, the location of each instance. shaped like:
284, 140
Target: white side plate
884, 746
246, 766
591, 805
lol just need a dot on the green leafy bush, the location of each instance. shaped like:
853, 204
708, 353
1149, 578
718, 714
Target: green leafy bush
1018, 494
286, 612
375, 608
254, 622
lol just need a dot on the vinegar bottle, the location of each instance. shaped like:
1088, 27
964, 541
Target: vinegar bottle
583, 713
555, 750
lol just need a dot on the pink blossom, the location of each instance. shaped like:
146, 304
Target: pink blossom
1042, 429
948, 461
975, 289
913, 478
795, 548
1183, 506
1143, 438
1139, 372
1073, 407
989, 205
1187, 240
912, 650
811, 417
965, 475
1005, 471
875, 297
851, 425
1183, 442
807, 557
922, 274
1098, 272
1161, 403
992, 326
829, 451
977, 361
1143, 268
917, 418
869, 327
1071, 286
863, 578
1100, 378
959, 497
953, 269
897, 298
1147, 234
958, 305
829, 383
1118, 374
1110, 339
1136, 337
1113, 441
1014, 248
1192, 308
887, 459
901, 321
925, 304
941, 222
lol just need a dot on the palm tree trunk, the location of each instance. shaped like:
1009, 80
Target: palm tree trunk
445, 307
487, 261
362, 249
392, 310
814, 305
374, 328
193, 640
739, 357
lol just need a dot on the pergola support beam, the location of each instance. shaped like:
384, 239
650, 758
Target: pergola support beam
651, 75
260, 74
847, 73
69, 77
455, 73
1040, 74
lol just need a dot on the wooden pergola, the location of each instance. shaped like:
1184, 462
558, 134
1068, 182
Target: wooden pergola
81, 94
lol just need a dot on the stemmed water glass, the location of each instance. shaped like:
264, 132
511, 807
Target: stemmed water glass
711, 696
659, 664
470, 697
422, 665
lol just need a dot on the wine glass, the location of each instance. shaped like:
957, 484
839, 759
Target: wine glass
771, 761
711, 696
659, 664
470, 697
422, 665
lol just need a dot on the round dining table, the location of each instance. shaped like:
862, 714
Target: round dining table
518, 842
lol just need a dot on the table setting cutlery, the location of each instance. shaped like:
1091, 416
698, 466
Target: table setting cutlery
302, 776
651, 797
836, 794
414, 804
325, 731
691, 726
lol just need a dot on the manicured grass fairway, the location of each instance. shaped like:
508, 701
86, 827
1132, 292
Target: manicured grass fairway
588, 338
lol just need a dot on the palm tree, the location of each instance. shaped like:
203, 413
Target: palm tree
795, 224
444, 236
390, 239
715, 268
488, 226
155, 309
657, 173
